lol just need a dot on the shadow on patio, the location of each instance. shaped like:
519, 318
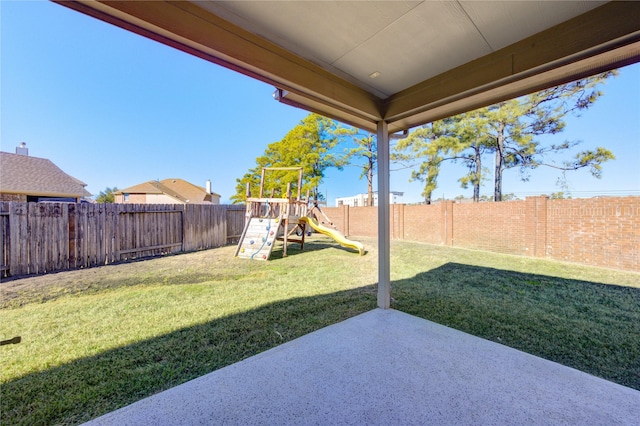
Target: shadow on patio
388, 367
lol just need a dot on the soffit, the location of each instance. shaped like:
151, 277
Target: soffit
406, 41
430, 54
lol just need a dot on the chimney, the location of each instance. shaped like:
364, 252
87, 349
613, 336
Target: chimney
22, 149
208, 186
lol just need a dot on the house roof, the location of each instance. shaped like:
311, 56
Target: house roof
23, 174
180, 189
404, 62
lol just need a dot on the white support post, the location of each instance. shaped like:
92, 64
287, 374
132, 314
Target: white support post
384, 234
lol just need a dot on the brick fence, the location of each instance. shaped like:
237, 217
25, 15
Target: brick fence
597, 231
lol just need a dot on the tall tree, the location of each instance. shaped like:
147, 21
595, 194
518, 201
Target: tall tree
472, 145
430, 144
515, 125
365, 156
309, 145
106, 196
509, 130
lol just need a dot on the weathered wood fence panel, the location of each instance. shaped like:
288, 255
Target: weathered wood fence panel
235, 222
153, 230
39, 238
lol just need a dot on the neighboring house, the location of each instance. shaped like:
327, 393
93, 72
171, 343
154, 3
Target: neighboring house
167, 191
33, 179
361, 200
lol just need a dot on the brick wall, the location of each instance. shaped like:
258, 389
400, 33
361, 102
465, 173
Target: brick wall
13, 197
133, 199
600, 231
423, 224
499, 227
597, 231
361, 221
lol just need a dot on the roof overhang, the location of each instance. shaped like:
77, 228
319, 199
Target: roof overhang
46, 193
601, 39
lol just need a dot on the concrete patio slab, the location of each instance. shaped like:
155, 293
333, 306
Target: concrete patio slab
387, 367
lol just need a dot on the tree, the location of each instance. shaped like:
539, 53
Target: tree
309, 145
509, 130
106, 196
432, 143
560, 195
472, 145
515, 125
366, 153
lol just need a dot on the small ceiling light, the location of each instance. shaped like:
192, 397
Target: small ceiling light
374, 74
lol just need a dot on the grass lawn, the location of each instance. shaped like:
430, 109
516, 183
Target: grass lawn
98, 339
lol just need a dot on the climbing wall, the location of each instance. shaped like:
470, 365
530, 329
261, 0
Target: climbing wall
259, 238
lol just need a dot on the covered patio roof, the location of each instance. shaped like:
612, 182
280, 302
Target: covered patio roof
405, 62
387, 66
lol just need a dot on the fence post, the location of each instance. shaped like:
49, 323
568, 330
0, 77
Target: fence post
6, 238
72, 237
186, 228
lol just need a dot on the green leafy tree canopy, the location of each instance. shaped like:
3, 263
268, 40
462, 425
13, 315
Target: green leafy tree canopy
309, 145
364, 154
509, 131
106, 196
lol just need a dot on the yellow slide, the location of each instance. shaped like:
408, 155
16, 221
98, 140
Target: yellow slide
335, 234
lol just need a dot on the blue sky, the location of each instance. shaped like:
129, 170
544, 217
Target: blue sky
112, 108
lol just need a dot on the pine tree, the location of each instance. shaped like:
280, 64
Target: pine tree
509, 130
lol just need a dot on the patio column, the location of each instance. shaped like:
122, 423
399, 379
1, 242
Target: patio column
384, 234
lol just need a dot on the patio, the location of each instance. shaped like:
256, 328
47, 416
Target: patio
388, 367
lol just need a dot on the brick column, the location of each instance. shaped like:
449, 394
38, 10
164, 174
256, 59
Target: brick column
345, 219
446, 229
536, 226
400, 221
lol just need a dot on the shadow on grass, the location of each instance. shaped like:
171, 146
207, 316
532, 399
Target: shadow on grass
589, 326
323, 243
84, 389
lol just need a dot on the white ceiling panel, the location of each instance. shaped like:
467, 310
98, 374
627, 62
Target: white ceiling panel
416, 46
324, 29
405, 41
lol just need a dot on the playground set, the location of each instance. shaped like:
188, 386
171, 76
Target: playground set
284, 219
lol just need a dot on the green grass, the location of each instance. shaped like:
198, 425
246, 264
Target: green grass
98, 339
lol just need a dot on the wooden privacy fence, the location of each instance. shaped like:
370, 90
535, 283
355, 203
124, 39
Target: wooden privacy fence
39, 238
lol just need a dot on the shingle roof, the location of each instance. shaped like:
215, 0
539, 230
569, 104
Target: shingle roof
23, 174
177, 188
151, 187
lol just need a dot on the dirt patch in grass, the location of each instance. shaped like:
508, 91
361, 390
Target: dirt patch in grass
183, 268
187, 268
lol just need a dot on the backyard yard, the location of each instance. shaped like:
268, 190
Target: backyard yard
94, 340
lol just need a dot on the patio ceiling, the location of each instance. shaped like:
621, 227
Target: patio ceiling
433, 58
